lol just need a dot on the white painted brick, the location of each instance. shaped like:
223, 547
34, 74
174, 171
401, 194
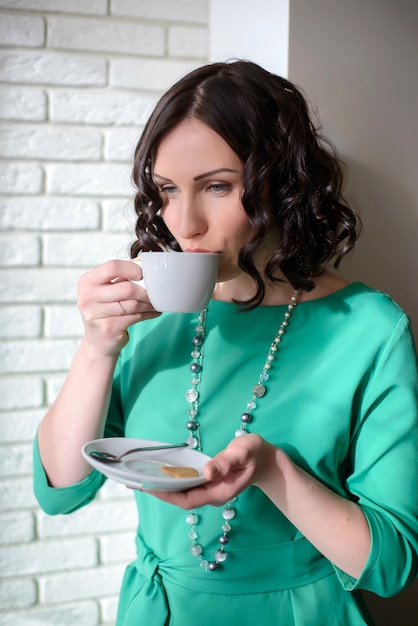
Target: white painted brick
52, 68
100, 106
179, 11
104, 179
100, 517
48, 213
63, 321
18, 103
19, 250
20, 30
21, 392
36, 355
79, 613
150, 74
20, 322
120, 144
81, 584
15, 460
50, 142
19, 425
117, 548
82, 249
16, 494
112, 490
17, 594
40, 285
20, 178
17, 527
107, 35
188, 41
93, 7
119, 216
49, 556
54, 385
108, 610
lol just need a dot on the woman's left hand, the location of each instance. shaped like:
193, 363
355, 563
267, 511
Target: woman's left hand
231, 471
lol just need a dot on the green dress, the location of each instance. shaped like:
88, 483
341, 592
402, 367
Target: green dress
341, 401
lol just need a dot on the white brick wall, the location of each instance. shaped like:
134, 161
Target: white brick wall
77, 81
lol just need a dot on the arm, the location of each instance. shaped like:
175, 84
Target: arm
334, 525
79, 412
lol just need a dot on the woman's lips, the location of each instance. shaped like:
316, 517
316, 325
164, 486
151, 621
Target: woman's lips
200, 250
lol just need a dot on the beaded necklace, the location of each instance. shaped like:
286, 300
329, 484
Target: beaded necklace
193, 427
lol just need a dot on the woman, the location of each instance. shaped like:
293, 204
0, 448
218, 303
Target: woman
319, 498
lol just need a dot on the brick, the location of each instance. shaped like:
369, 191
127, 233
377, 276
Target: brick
105, 35
63, 321
54, 385
89, 179
112, 490
17, 527
117, 548
119, 216
187, 41
81, 584
20, 322
83, 249
19, 30
17, 594
36, 355
93, 7
179, 11
149, 74
21, 392
16, 494
98, 517
15, 460
80, 613
19, 425
120, 144
40, 285
49, 556
50, 142
19, 250
108, 609
20, 178
18, 103
52, 68
100, 106
49, 213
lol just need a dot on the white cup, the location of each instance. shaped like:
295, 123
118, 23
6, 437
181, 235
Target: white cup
179, 281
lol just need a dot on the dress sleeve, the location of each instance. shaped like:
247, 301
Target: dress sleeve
384, 480
61, 500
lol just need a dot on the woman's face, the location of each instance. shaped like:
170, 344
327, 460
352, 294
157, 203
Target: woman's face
200, 179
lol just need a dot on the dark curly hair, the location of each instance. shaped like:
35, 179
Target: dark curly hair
292, 177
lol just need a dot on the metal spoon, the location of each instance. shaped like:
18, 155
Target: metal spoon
108, 457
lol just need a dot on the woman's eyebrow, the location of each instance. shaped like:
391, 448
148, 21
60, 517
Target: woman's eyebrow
217, 171
200, 176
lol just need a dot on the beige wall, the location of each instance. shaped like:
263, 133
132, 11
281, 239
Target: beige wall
357, 61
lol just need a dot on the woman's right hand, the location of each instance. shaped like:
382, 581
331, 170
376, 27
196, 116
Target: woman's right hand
109, 303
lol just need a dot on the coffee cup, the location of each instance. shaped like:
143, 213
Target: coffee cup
179, 281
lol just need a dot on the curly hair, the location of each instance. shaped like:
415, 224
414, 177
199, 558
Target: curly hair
292, 183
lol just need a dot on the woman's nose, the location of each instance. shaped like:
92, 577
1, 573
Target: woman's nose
192, 221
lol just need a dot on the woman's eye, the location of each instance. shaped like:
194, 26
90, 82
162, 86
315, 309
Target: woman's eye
219, 187
168, 189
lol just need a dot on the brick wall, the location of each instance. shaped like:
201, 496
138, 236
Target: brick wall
77, 80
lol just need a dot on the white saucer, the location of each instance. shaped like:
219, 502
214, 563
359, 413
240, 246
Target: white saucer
142, 470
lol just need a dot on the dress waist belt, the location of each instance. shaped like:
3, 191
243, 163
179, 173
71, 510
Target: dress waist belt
253, 570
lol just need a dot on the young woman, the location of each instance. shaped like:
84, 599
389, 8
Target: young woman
318, 498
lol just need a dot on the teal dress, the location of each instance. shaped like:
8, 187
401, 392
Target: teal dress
341, 401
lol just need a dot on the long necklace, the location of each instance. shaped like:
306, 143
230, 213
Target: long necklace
193, 426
